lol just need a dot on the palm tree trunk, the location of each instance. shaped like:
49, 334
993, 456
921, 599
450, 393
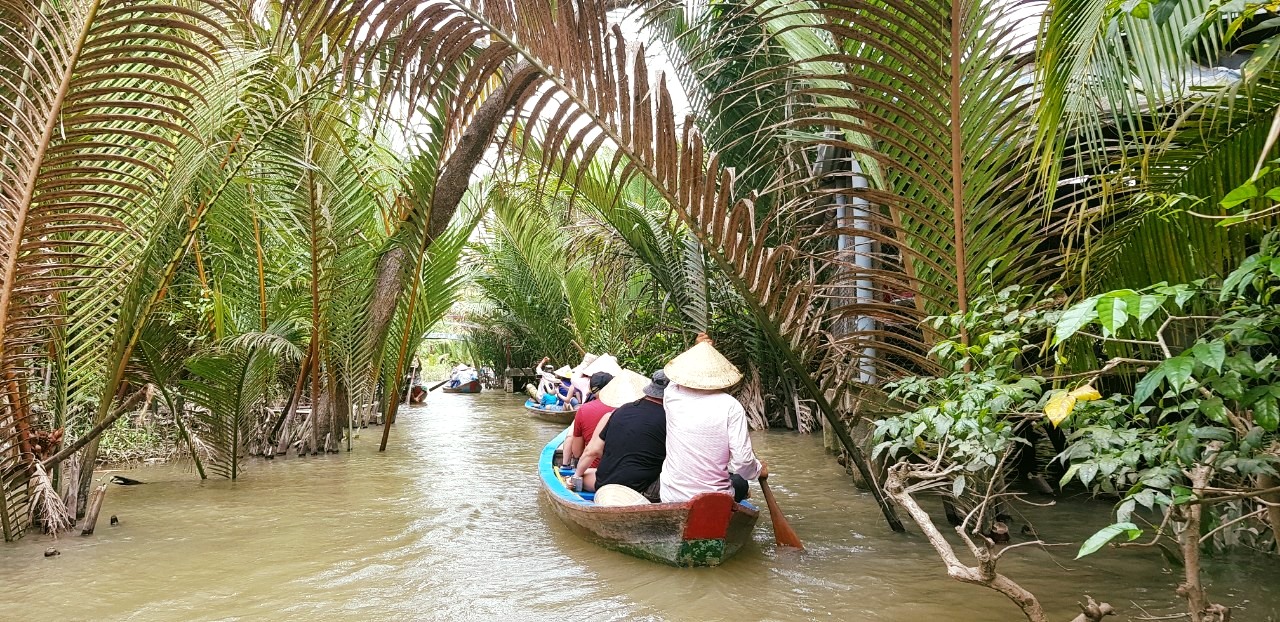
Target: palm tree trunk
455, 176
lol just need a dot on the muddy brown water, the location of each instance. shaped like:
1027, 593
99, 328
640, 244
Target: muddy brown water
448, 525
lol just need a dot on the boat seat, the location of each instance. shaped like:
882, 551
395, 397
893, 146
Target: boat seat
565, 473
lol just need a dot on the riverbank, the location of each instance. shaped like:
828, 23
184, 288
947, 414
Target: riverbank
448, 525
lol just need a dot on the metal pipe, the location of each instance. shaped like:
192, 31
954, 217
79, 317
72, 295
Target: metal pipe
854, 212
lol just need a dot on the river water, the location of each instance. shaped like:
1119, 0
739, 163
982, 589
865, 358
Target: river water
447, 524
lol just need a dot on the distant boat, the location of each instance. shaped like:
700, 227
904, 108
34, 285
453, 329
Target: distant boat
555, 414
466, 387
704, 531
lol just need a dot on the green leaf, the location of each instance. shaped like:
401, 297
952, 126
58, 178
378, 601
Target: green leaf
1181, 494
1074, 319
1266, 413
1148, 304
1107, 534
1182, 296
1142, 10
1240, 195
1071, 472
1125, 510
1214, 409
1178, 371
1210, 354
1229, 385
1148, 385
1162, 10
1087, 472
1112, 313
1240, 277
957, 487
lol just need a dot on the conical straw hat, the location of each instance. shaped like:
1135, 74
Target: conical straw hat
604, 362
626, 387
587, 360
563, 372
703, 367
617, 494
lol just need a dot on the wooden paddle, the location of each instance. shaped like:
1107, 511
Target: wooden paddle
783, 534
438, 385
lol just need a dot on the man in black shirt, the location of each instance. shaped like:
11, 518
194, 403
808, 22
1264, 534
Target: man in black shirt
635, 442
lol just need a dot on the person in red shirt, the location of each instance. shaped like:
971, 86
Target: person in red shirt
586, 419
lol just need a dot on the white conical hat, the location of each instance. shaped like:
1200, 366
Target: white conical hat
626, 387
703, 367
563, 372
587, 360
604, 362
617, 494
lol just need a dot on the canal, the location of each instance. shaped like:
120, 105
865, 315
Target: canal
447, 524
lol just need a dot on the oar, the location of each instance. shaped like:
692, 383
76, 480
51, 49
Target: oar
783, 534
438, 385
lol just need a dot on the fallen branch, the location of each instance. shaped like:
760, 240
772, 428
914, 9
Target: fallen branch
984, 574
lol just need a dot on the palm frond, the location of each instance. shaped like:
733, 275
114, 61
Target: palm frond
97, 97
229, 385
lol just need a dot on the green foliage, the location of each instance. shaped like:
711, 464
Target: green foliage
612, 273
131, 441
969, 416
229, 385
1207, 396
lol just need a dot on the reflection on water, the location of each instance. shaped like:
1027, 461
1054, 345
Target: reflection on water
448, 525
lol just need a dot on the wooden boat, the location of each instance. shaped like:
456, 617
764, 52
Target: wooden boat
469, 387
418, 395
552, 415
704, 531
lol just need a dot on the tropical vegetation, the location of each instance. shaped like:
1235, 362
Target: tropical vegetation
926, 222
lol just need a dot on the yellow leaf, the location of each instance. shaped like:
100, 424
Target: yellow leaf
1059, 407
1086, 393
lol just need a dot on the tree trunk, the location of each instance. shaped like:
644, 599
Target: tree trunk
95, 506
455, 176
1273, 510
1192, 588
281, 433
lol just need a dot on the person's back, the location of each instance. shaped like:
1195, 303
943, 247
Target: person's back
635, 445
708, 445
702, 426
586, 420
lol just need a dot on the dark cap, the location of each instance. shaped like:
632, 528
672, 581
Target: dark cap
599, 379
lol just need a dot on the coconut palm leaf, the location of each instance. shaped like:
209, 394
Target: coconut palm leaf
433, 290
1147, 93
95, 96
637, 214
1151, 234
229, 384
160, 359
